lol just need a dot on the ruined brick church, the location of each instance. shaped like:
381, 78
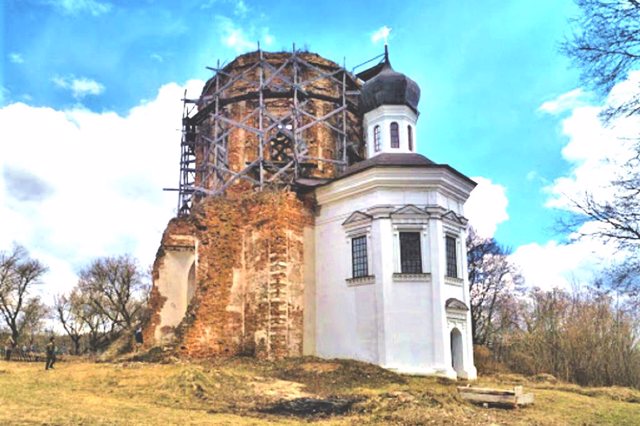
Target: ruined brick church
309, 224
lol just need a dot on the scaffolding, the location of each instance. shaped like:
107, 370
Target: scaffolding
282, 157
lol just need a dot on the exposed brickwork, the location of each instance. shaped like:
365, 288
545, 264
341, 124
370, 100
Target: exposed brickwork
249, 294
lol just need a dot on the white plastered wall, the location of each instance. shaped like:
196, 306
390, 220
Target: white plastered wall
383, 116
396, 322
174, 284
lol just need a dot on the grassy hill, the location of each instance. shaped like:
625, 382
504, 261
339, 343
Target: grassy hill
245, 391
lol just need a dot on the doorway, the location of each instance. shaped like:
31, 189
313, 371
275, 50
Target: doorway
456, 351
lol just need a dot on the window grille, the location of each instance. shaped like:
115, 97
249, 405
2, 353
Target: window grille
360, 267
395, 137
452, 257
376, 139
410, 254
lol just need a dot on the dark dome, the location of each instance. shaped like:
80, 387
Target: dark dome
389, 88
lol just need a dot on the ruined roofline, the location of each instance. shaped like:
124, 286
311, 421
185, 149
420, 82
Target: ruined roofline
243, 63
268, 119
246, 60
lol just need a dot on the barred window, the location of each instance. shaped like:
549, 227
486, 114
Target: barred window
377, 145
410, 133
395, 137
410, 254
452, 257
359, 262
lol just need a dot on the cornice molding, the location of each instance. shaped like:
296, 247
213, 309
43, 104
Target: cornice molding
439, 179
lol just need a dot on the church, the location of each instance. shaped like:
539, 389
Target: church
309, 224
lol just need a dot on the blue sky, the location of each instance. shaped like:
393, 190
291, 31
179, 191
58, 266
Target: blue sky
485, 69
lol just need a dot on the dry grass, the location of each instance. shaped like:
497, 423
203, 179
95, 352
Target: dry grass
237, 391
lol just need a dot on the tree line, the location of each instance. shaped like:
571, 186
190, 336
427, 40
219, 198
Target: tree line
109, 299
586, 335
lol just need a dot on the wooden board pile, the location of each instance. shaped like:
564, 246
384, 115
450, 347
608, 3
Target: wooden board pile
487, 396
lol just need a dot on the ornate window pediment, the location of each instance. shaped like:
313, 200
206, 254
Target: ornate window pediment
409, 212
456, 304
455, 218
356, 219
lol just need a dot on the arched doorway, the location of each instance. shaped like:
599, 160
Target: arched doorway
456, 350
191, 283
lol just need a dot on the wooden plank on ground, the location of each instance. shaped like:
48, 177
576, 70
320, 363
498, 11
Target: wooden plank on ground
514, 398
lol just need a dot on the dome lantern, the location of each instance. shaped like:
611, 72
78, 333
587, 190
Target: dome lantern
389, 104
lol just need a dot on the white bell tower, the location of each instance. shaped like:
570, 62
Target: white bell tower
389, 103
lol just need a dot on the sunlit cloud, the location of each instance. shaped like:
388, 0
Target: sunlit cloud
79, 87
565, 102
486, 208
381, 34
241, 39
80, 184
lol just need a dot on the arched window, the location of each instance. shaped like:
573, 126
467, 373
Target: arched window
376, 139
395, 137
410, 133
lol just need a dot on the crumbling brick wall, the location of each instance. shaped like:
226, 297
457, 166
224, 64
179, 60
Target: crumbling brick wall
249, 276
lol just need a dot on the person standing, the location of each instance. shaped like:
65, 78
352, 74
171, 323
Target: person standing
139, 339
8, 348
51, 353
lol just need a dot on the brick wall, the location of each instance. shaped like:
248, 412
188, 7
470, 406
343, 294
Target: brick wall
249, 277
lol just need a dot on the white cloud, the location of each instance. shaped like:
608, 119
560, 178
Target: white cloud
595, 152
81, 184
241, 39
79, 87
16, 58
486, 208
75, 7
565, 102
156, 57
381, 33
555, 265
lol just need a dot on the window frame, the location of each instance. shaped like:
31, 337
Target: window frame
394, 134
377, 142
411, 222
407, 265
451, 252
359, 263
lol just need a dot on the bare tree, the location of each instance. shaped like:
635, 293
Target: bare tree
114, 286
605, 44
18, 275
580, 337
493, 278
68, 310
